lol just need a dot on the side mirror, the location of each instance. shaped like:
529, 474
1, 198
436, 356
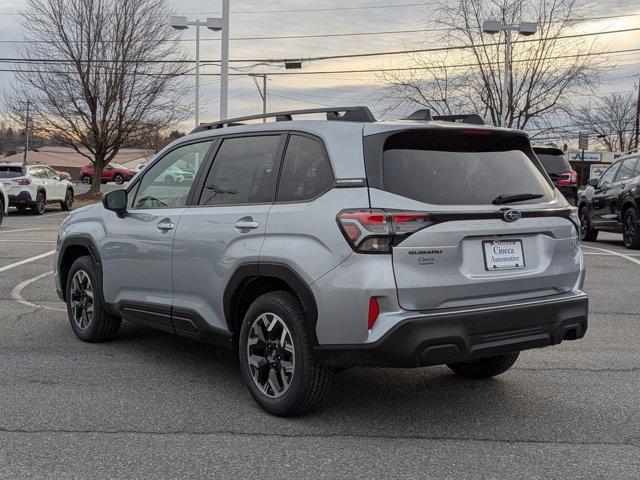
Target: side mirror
116, 201
593, 182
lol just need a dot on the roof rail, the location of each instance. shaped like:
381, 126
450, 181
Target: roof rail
343, 114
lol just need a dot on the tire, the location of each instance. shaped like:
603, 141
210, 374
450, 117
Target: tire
1, 210
631, 229
308, 381
67, 204
485, 368
169, 180
99, 325
119, 179
86, 179
587, 232
40, 204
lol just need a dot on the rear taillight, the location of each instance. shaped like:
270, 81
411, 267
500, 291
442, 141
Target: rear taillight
374, 311
377, 231
23, 181
567, 178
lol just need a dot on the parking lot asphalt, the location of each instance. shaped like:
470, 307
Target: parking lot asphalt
151, 405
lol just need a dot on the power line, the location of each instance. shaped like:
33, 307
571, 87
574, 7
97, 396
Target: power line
344, 56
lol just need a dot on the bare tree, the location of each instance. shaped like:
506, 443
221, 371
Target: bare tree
546, 69
98, 73
612, 117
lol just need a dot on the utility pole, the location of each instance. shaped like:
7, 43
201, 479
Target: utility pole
638, 117
262, 92
26, 135
224, 63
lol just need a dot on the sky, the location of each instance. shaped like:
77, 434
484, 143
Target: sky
293, 17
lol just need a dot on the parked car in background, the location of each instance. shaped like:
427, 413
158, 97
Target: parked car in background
111, 173
557, 165
611, 203
315, 245
64, 175
4, 202
35, 186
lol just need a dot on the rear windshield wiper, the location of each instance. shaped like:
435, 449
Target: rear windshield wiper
519, 197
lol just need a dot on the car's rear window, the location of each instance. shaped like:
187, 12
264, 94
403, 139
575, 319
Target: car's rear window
450, 169
10, 172
554, 164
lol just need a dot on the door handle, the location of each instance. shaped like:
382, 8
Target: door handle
246, 224
165, 225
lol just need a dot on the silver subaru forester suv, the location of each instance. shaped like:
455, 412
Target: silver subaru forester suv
313, 245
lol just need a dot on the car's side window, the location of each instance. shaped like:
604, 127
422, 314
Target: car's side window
167, 183
243, 171
607, 177
626, 169
636, 172
37, 172
306, 172
51, 173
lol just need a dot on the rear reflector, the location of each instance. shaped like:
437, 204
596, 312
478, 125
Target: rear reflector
377, 231
374, 311
23, 181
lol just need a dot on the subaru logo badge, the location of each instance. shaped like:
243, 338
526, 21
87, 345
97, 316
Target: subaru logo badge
512, 215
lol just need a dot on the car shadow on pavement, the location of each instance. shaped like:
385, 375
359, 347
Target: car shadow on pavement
362, 401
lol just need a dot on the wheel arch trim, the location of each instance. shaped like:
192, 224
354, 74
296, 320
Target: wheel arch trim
249, 272
78, 240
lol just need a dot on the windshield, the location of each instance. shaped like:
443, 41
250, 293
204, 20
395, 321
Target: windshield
10, 172
554, 164
439, 174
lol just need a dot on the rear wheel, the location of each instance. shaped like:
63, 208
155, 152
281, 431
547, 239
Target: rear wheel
86, 179
587, 232
631, 229
485, 368
87, 311
119, 179
67, 204
39, 206
169, 180
277, 358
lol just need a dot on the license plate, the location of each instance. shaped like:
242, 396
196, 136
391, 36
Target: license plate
500, 255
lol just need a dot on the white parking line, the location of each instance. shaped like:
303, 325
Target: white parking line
16, 293
26, 260
21, 230
617, 254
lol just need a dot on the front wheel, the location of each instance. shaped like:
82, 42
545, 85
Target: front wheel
485, 368
67, 204
587, 232
39, 206
277, 358
119, 179
1, 211
631, 230
86, 179
87, 311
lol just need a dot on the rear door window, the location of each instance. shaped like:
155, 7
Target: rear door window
432, 168
243, 171
627, 170
306, 172
10, 172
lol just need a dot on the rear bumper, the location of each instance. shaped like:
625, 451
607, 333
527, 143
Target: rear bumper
461, 335
22, 198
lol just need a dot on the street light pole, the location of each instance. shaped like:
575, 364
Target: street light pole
507, 78
182, 23
524, 28
197, 74
224, 62
26, 135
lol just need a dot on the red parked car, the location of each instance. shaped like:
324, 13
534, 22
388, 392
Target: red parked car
111, 173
